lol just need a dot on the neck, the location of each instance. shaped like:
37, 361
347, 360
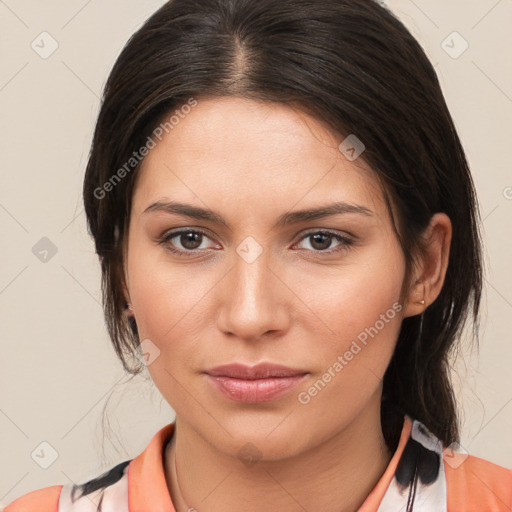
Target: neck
335, 476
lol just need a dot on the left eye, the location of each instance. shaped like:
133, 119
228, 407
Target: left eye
321, 240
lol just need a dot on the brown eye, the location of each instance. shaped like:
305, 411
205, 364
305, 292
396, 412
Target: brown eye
185, 242
191, 239
321, 241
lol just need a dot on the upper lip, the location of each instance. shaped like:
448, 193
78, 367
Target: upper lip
259, 371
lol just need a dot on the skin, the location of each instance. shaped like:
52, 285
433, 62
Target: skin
298, 303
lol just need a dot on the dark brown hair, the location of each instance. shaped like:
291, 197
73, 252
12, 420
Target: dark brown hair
350, 63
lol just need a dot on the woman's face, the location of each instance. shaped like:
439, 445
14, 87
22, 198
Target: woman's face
255, 282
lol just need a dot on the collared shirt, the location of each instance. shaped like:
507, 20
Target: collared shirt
439, 479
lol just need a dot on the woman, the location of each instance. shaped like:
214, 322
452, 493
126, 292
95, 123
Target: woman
289, 242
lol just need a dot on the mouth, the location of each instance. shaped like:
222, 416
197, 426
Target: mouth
254, 384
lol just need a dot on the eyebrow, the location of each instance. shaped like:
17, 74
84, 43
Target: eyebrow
293, 217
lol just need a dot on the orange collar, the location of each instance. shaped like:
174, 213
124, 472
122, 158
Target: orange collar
147, 485
372, 502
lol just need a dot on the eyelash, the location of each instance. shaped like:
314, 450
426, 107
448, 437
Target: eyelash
345, 242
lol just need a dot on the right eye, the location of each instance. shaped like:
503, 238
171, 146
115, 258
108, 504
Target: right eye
190, 239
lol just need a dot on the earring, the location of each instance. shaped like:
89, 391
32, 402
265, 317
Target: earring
129, 306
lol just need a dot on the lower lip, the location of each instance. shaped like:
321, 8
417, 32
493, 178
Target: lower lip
254, 391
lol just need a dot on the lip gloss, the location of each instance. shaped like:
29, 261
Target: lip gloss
254, 390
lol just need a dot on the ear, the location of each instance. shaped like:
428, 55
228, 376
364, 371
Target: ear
430, 266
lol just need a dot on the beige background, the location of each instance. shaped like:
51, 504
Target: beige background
58, 371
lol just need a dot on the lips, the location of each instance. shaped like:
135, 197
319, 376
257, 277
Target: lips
254, 384
260, 371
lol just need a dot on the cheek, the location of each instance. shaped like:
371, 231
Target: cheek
352, 298
364, 316
170, 303
169, 306
363, 313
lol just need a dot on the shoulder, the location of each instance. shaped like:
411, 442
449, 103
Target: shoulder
110, 488
450, 477
476, 484
40, 500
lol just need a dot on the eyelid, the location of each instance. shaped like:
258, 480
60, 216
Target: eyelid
173, 233
345, 240
333, 232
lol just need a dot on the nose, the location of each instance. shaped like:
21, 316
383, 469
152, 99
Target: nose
255, 300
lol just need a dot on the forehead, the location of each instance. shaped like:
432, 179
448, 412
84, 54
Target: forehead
257, 155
